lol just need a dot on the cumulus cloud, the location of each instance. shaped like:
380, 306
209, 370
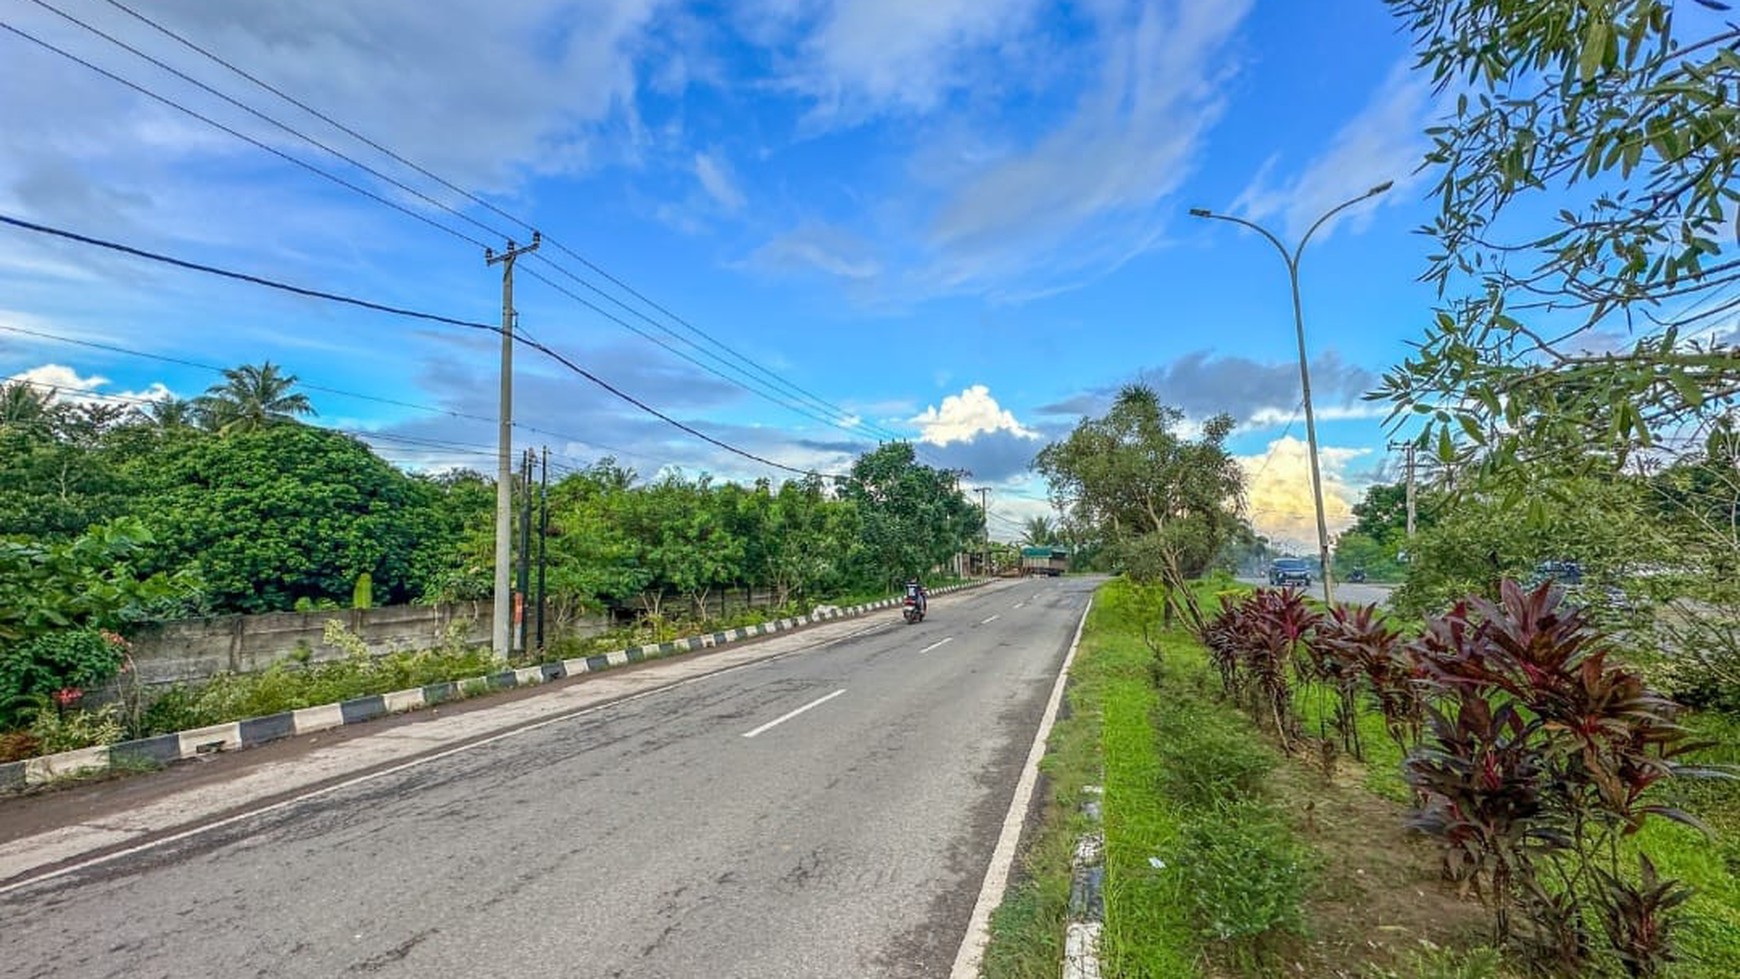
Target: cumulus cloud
1278, 490
65, 383
972, 432
962, 416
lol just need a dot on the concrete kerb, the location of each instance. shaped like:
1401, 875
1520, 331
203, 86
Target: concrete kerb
164, 749
1087, 906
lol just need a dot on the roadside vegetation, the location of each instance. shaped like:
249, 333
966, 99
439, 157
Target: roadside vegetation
121, 514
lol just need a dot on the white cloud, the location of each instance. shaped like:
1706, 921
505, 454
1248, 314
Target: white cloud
1278, 490
59, 377
1082, 198
1385, 141
67, 384
862, 57
962, 416
1270, 417
815, 246
716, 179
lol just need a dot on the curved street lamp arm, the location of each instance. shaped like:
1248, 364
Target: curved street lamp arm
1259, 229
1337, 209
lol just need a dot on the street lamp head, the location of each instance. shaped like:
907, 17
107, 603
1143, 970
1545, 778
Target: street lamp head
1201, 212
1380, 188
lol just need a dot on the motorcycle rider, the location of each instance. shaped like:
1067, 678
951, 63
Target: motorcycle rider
916, 592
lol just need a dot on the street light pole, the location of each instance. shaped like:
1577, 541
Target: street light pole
1292, 260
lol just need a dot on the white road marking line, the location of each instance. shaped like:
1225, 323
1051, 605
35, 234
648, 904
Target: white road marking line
782, 719
991, 620
972, 950
1018, 605
939, 642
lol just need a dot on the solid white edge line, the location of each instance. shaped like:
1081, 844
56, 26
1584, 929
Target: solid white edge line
972, 950
819, 701
939, 642
991, 620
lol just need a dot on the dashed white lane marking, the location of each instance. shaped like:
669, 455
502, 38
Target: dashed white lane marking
1018, 605
991, 620
819, 701
939, 642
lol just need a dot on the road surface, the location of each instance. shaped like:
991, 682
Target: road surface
1365, 593
828, 812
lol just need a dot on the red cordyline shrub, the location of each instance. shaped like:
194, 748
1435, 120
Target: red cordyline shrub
1253, 641
1539, 754
1354, 650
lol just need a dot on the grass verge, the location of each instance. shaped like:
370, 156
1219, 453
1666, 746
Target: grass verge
1201, 864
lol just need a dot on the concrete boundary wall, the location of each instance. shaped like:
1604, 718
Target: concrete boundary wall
189, 650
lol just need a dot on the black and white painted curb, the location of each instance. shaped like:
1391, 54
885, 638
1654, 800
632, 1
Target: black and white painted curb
1087, 906
165, 749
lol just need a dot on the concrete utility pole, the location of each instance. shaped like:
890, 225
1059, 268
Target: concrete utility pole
524, 592
1408, 451
985, 519
543, 535
1292, 260
501, 632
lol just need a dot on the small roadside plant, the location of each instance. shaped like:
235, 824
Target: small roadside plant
1541, 755
1370, 658
1255, 642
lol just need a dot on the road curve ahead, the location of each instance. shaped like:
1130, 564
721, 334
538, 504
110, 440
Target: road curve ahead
824, 813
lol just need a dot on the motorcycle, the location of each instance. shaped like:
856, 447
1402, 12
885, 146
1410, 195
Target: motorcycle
912, 610
1357, 576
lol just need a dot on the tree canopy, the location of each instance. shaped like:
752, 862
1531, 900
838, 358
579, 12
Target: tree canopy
1165, 502
1584, 330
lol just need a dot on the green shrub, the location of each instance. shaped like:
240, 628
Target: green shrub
1247, 875
56, 730
67, 659
1206, 760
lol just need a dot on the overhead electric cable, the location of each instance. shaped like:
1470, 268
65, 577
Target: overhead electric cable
791, 388
415, 314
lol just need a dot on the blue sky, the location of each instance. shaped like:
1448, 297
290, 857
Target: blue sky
959, 221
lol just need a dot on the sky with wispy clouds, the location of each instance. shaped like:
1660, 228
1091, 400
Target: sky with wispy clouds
961, 222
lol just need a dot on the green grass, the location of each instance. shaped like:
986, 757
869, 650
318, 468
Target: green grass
287, 686
1709, 937
1200, 867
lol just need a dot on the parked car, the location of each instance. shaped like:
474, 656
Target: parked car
1290, 571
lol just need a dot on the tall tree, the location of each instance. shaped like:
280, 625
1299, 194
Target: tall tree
1166, 502
913, 517
252, 397
1038, 532
283, 513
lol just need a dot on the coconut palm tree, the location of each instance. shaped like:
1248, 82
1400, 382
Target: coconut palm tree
251, 398
170, 412
1039, 532
21, 404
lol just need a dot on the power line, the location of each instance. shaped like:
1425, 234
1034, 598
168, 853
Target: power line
142, 90
791, 389
131, 352
416, 314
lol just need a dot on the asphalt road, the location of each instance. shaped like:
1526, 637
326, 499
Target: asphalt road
825, 813
1367, 593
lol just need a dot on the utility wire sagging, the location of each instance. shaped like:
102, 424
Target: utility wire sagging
708, 352
419, 315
